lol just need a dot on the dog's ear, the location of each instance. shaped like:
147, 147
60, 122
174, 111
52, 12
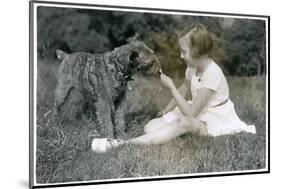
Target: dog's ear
61, 54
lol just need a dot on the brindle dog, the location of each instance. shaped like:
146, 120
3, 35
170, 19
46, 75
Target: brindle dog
95, 84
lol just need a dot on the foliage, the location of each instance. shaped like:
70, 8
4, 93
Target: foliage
240, 49
245, 47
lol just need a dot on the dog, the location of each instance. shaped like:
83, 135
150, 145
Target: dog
95, 84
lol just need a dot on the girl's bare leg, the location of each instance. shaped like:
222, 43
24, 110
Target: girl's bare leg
154, 125
168, 132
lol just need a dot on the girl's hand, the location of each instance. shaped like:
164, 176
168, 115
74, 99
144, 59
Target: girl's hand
167, 81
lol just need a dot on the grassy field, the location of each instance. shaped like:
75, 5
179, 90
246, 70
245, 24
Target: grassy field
63, 150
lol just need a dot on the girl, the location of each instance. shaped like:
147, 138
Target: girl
209, 112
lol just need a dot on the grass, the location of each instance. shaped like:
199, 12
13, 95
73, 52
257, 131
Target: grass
63, 149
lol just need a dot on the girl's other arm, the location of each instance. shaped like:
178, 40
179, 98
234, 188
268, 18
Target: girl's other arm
184, 90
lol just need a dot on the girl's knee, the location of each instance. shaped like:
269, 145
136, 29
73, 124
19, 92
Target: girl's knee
153, 125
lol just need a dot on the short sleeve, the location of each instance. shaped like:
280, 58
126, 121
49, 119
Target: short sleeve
188, 74
212, 78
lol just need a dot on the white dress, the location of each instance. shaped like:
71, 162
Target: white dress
219, 114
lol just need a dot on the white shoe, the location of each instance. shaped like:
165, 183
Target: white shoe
252, 129
101, 145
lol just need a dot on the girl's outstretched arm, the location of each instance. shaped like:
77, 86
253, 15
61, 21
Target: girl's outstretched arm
184, 91
184, 107
187, 109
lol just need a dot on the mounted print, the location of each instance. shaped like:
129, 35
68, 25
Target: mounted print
126, 94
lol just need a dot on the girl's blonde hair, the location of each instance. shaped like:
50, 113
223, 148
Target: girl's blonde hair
201, 41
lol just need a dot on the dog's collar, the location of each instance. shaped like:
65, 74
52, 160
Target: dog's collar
123, 72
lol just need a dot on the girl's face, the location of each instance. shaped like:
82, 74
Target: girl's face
185, 50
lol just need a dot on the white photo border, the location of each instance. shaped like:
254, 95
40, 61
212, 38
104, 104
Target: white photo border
32, 90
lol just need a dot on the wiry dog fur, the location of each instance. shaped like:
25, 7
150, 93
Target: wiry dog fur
94, 84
